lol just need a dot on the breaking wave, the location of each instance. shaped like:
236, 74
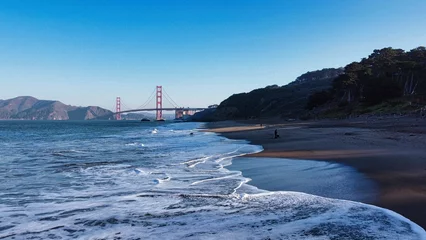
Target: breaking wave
175, 188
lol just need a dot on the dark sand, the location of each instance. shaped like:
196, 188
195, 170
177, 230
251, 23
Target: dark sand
326, 179
390, 151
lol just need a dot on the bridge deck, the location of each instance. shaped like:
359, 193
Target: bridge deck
162, 109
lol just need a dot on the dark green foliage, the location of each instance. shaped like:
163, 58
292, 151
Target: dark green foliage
319, 98
204, 116
381, 89
273, 101
343, 103
386, 74
325, 73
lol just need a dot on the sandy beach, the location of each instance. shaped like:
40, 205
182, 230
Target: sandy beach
390, 151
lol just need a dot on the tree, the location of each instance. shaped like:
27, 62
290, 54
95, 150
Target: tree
318, 99
386, 73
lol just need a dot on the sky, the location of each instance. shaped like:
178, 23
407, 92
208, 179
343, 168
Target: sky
89, 52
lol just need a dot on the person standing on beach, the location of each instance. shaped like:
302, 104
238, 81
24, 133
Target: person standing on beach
276, 134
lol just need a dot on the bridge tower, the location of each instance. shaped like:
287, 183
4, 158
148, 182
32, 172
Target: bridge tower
118, 108
159, 104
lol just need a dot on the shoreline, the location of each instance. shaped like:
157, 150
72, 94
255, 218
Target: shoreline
389, 151
319, 178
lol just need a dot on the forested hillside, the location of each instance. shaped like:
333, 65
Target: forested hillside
276, 101
387, 80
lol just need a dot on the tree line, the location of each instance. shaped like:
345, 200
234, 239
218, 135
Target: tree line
385, 74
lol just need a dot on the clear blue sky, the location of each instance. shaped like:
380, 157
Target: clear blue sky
88, 52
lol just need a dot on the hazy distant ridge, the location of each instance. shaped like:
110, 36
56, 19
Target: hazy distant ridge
30, 108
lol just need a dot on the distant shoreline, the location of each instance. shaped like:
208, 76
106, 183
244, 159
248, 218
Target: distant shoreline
390, 151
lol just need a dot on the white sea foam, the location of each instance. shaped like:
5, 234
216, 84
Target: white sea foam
162, 180
275, 215
195, 162
132, 144
215, 179
176, 188
142, 171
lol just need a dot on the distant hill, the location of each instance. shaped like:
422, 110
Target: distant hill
275, 101
30, 108
137, 116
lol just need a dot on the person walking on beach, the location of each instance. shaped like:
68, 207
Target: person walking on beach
276, 134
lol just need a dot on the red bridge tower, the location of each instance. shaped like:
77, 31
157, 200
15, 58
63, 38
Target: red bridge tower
159, 104
118, 108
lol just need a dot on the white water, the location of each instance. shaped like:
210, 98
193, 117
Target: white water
104, 184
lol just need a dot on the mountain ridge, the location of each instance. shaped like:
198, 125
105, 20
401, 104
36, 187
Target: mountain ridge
31, 108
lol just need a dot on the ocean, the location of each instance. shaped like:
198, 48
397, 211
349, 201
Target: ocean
133, 180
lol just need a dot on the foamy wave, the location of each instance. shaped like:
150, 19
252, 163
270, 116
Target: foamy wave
195, 162
142, 171
69, 153
135, 144
161, 180
176, 188
216, 179
274, 215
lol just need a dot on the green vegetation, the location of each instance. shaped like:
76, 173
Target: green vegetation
274, 101
388, 81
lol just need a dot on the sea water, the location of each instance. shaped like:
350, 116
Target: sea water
133, 180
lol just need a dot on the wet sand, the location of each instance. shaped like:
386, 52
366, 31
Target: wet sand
389, 151
320, 178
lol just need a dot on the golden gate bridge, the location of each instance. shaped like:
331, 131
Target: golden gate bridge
159, 90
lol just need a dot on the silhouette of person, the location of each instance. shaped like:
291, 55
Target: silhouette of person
276, 134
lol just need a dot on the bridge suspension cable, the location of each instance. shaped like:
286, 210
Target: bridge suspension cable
168, 98
113, 109
124, 106
170, 102
147, 101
